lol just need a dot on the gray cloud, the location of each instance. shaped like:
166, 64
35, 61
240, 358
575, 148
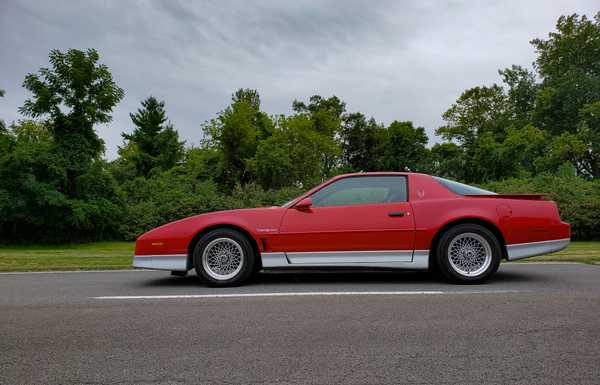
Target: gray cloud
392, 60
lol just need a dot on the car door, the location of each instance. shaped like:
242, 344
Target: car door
357, 219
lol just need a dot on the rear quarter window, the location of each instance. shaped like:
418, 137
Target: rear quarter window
461, 188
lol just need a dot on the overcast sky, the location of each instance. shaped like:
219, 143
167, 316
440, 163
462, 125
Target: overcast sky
390, 60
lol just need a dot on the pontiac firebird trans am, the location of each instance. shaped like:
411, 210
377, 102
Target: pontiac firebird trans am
385, 220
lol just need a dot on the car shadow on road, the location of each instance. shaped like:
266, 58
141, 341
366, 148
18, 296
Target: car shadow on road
277, 279
349, 277
308, 277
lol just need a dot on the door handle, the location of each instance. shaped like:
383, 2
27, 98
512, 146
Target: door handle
397, 214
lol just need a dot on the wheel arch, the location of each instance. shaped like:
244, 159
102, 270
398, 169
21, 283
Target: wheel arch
206, 230
467, 220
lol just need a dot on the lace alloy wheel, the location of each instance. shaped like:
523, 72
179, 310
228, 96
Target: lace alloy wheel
223, 258
469, 254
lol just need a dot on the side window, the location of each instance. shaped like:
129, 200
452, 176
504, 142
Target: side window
362, 190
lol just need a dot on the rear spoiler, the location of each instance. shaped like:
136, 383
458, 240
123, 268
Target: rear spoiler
530, 197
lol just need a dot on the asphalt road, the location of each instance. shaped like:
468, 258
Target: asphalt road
531, 324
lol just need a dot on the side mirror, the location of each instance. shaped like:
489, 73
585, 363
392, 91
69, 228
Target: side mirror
304, 204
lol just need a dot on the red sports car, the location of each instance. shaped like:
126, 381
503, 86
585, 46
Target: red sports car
367, 220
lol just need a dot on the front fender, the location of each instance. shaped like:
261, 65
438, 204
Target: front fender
175, 237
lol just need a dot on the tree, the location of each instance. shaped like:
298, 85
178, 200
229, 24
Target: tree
522, 151
516, 156
567, 103
53, 184
588, 133
28, 169
448, 160
73, 95
292, 155
236, 133
521, 93
477, 122
403, 147
326, 116
32, 205
477, 111
569, 66
2, 126
201, 163
565, 148
272, 163
154, 143
359, 139
526, 126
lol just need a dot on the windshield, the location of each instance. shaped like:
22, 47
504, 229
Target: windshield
289, 203
461, 188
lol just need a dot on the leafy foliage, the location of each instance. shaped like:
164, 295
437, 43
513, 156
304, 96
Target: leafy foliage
359, 138
33, 206
236, 133
2, 124
569, 64
325, 116
526, 125
53, 183
154, 143
402, 147
174, 195
537, 130
74, 95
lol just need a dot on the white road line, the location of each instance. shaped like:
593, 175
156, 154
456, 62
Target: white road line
304, 294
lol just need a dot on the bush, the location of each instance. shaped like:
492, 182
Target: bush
578, 199
42, 200
173, 195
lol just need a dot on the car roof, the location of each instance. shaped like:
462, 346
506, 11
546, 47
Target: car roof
376, 173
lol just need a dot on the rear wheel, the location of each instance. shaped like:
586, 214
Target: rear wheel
224, 257
468, 253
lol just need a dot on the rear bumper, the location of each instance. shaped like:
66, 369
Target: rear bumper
524, 250
173, 262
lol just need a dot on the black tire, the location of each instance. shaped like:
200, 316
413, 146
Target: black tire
477, 234
232, 239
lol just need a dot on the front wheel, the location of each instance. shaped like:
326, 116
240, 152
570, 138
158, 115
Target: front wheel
224, 257
468, 253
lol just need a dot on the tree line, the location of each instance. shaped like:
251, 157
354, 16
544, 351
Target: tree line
537, 130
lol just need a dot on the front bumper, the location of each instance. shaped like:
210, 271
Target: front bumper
524, 250
172, 262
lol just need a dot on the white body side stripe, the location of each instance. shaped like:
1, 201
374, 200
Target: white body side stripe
396, 259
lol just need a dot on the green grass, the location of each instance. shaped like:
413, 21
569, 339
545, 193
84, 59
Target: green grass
117, 255
85, 256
